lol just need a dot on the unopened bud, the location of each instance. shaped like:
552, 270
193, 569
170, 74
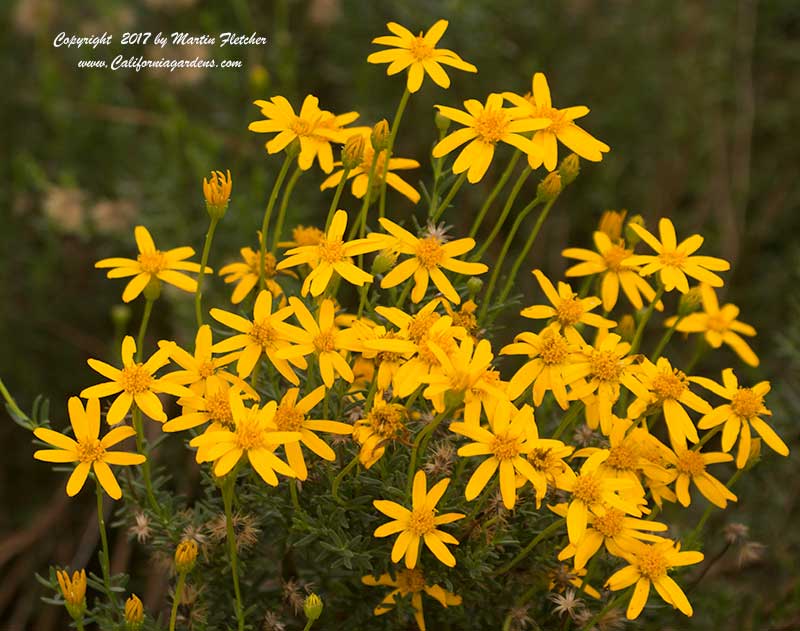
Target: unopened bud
312, 607
353, 152
293, 150
185, 556
217, 192
630, 235
690, 302
549, 187
120, 316
626, 328
611, 223
380, 135
134, 613
569, 169
474, 286
74, 592
442, 123
383, 262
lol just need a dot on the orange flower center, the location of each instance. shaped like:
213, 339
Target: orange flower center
690, 462
554, 349
541, 459
587, 489
672, 259
218, 408
669, 385
253, 259
605, 366
429, 252
331, 251
302, 127
623, 458
302, 235
325, 342
206, 369
388, 420
557, 118
90, 450
289, 418
410, 581
419, 49
249, 432
614, 257
610, 524
491, 126
421, 521
135, 379
420, 325
651, 563
263, 334
569, 312
718, 323
746, 403
152, 262
504, 447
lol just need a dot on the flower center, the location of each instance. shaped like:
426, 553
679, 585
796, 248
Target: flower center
218, 408
419, 49
491, 126
651, 563
504, 447
253, 258
718, 323
746, 403
429, 252
426, 354
554, 349
307, 236
421, 522
569, 312
672, 259
614, 257
410, 581
610, 524
135, 379
325, 342
206, 369
420, 325
587, 489
557, 118
605, 366
302, 127
331, 251
249, 433
669, 385
152, 262
622, 457
90, 450
690, 462
540, 459
263, 333
388, 420
289, 418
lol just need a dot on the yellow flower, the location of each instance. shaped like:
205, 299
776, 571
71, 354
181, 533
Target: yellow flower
549, 353
567, 307
254, 434
134, 612
332, 254
290, 416
217, 193
303, 235
360, 174
213, 405
505, 444
314, 128
649, 564
674, 260
611, 260
546, 456
611, 223
383, 424
185, 556
484, 127
266, 334
561, 127
386, 348
744, 410
719, 325
419, 523
245, 274
153, 264
668, 388
74, 592
419, 54
690, 466
135, 383
429, 256
320, 338
410, 582
87, 449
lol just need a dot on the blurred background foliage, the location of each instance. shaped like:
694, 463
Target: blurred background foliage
698, 101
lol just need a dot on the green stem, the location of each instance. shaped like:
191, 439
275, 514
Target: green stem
141, 448
419, 448
398, 115
340, 476
148, 309
308, 625
11, 403
569, 419
609, 606
662, 343
276, 187
637, 338
404, 294
708, 436
495, 191
360, 224
437, 174
692, 538
293, 493
551, 529
79, 624
449, 197
287, 194
198, 294
699, 351
104, 555
227, 499
336, 196
176, 600
504, 214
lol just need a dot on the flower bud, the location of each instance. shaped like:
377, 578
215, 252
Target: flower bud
611, 223
185, 556
549, 187
569, 169
134, 613
442, 123
153, 289
380, 135
384, 261
690, 302
626, 328
353, 152
312, 607
474, 286
74, 592
259, 78
630, 236
217, 193
755, 454
120, 316
293, 150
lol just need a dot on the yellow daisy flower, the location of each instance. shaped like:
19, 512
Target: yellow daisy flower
212, 406
152, 264
429, 256
410, 582
563, 577
719, 325
690, 466
506, 445
419, 54
484, 127
419, 523
331, 255
254, 434
674, 261
360, 174
245, 274
744, 410
649, 564
266, 334
561, 126
611, 260
546, 456
385, 348
87, 449
382, 425
303, 235
291, 416
567, 307
135, 383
